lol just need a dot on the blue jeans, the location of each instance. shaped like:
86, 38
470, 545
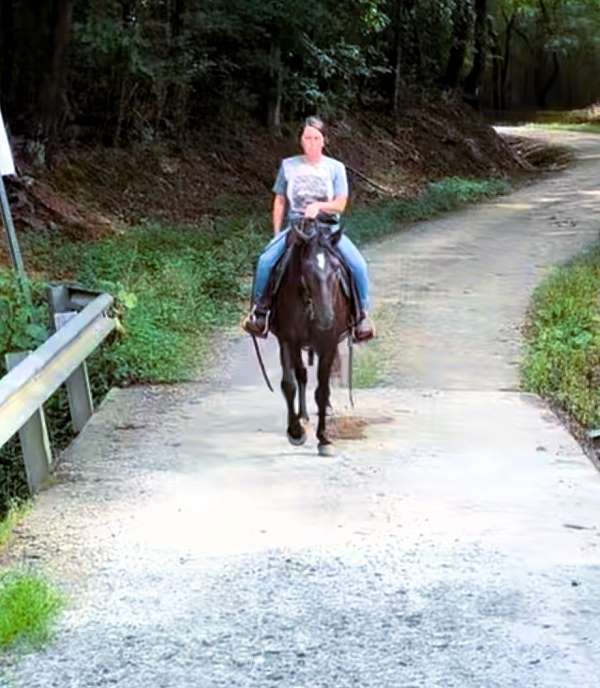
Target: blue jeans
276, 248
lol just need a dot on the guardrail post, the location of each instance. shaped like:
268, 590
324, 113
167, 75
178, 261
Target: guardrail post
33, 436
27, 386
79, 392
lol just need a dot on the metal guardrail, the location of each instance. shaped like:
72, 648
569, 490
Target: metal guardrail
34, 377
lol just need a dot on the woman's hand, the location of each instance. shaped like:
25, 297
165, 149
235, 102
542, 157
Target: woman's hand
312, 210
337, 205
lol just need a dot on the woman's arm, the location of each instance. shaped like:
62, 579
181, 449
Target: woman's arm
278, 212
337, 205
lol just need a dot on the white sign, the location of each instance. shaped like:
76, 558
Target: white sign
6, 162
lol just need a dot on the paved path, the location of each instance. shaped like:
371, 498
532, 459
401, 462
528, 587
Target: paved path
456, 544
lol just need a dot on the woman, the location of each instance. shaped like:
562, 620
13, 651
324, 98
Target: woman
307, 185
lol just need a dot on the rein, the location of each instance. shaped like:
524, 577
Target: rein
350, 367
261, 363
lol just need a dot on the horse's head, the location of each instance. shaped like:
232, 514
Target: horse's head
320, 271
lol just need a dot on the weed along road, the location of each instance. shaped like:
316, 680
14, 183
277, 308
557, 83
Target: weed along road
455, 541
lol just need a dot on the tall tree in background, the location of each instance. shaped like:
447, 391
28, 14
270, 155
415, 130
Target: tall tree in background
462, 25
137, 70
33, 61
553, 34
402, 12
472, 82
54, 82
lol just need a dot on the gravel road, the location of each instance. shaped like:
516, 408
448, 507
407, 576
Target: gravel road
457, 544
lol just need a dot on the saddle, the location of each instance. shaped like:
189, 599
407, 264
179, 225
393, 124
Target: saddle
327, 231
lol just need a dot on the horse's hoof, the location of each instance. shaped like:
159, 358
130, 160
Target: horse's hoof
297, 441
327, 450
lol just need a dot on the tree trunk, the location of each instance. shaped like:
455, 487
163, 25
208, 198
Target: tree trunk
128, 8
176, 19
472, 83
405, 30
7, 54
53, 86
417, 55
398, 16
458, 51
496, 63
510, 23
275, 93
543, 87
40, 36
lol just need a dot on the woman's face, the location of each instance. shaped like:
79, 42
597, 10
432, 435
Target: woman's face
312, 143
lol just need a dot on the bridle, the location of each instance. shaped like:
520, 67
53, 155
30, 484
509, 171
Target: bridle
305, 231
308, 230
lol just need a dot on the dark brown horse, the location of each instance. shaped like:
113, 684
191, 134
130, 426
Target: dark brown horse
311, 310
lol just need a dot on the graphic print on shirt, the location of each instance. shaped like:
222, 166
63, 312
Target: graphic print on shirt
307, 183
307, 188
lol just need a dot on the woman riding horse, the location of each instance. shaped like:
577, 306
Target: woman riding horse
307, 185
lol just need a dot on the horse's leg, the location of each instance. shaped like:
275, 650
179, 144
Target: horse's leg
326, 447
301, 377
295, 431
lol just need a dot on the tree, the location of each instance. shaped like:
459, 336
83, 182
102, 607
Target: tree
462, 24
553, 33
33, 60
472, 82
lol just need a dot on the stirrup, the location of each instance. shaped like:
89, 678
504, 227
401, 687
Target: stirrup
366, 337
249, 323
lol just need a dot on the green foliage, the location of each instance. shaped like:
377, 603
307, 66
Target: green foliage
13, 481
441, 196
29, 606
22, 328
591, 128
368, 367
176, 284
563, 340
565, 26
15, 513
21, 325
137, 71
552, 44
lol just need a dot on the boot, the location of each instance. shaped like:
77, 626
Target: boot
364, 328
257, 322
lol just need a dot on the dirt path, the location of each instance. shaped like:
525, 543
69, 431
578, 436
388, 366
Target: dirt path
456, 544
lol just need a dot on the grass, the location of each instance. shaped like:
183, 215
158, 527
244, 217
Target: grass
562, 362
29, 606
175, 285
374, 222
16, 512
585, 127
368, 365
376, 363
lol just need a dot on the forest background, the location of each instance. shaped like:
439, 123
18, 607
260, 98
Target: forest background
117, 71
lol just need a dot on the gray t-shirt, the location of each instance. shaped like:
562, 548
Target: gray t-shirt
303, 183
